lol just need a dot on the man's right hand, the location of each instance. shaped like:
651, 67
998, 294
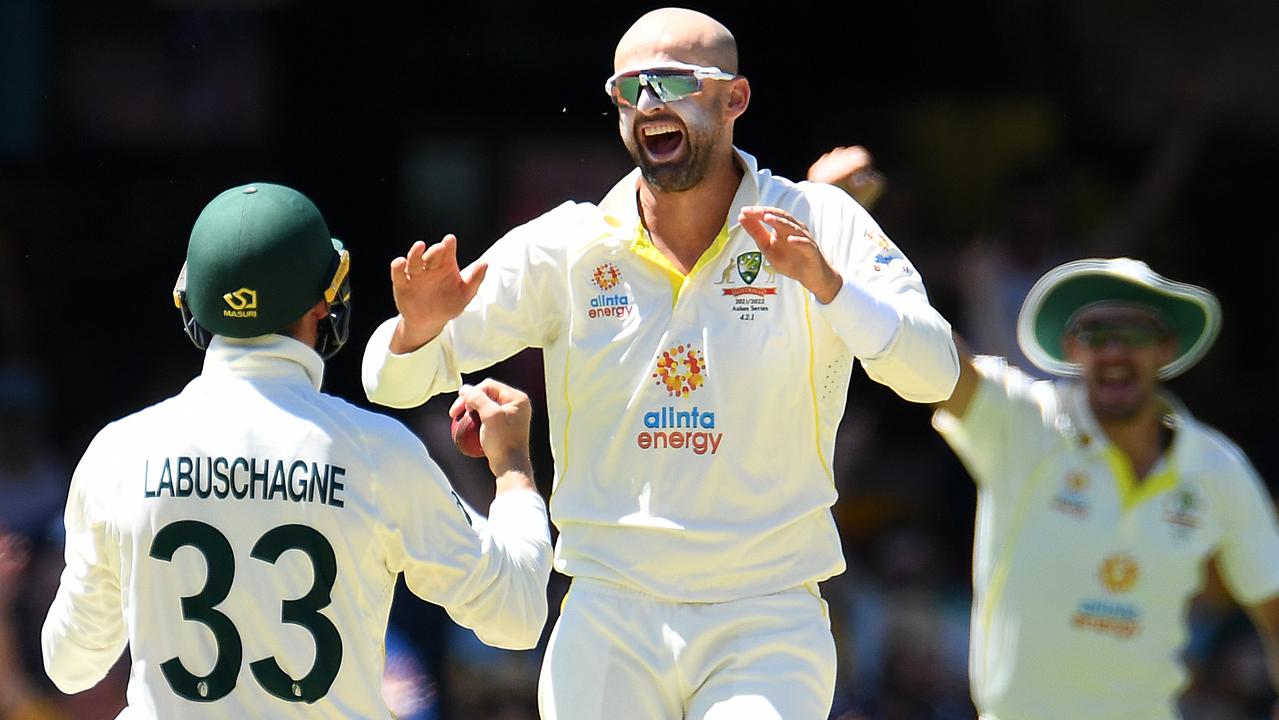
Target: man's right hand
430, 290
505, 414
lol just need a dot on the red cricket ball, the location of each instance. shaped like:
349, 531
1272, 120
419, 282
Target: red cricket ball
466, 433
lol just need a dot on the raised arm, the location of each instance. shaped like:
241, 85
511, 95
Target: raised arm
965, 386
453, 321
489, 574
883, 317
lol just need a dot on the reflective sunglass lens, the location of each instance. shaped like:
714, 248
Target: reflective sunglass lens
674, 87
1128, 336
627, 90
668, 88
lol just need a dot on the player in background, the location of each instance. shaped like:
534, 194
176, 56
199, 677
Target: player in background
244, 536
698, 328
1101, 499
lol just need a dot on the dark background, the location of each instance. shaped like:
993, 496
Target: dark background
1014, 135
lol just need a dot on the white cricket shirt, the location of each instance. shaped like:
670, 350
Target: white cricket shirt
692, 418
1082, 575
244, 537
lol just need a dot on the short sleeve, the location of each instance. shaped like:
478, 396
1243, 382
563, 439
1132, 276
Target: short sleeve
1249, 554
1007, 426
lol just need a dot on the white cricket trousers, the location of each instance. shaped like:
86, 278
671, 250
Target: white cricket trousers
617, 654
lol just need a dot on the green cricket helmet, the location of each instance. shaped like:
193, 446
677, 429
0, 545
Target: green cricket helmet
260, 256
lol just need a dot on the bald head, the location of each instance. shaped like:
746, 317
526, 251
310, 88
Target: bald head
676, 34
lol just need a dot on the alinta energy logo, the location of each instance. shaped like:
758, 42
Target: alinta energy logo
243, 303
1118, 574
605, 277
681, 371
1072, 498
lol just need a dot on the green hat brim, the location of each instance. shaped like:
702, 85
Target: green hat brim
1192, 312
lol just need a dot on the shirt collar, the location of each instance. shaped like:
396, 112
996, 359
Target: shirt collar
276, 356
621, 211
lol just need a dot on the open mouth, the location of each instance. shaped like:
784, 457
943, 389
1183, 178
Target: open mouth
1116, 380
662, 140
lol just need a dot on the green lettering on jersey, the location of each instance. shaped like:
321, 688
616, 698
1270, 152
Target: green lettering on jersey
278, 482
335, 485
184, 484
297, 492
239, 491
166, 479
320, 480
147, 492
221, 476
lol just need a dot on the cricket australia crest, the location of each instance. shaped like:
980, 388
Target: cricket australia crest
749, 299
748, 265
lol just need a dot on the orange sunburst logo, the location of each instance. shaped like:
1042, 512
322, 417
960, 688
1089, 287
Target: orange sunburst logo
681, 369
1118, 573
606, 276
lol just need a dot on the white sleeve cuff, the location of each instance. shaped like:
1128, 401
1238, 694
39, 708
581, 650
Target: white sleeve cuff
866, 322
399, 381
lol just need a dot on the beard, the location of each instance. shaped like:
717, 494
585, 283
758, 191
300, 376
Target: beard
682, 174
1110, 407
1112, 412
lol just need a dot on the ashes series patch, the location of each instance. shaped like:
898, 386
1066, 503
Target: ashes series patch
744, 295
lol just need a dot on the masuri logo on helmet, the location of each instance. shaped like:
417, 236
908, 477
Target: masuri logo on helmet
243, 303
265, 252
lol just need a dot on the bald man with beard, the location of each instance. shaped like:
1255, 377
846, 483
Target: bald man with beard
698, 326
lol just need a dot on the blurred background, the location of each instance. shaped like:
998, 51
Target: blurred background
1014, 135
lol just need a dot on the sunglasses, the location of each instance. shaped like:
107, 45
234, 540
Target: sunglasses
669, 83
1129, 335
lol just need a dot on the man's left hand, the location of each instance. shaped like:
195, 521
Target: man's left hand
791, 249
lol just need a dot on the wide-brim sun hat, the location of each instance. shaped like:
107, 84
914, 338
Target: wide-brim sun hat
1192, 312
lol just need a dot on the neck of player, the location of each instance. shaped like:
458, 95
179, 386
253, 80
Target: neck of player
1143, 438
682, 225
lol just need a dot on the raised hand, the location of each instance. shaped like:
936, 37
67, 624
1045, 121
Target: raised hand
430, 289
851, 169
790, 248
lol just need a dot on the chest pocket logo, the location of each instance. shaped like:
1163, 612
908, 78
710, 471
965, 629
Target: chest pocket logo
1183, 511
1072, 498
748, 266
606, 277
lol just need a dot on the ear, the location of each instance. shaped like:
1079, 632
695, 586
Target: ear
319, 311
739, 96
1168, 350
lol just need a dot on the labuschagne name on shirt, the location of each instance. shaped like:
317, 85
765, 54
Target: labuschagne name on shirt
240, 478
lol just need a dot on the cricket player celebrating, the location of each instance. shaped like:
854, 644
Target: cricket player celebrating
699, 327
1099, 501
244, 537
